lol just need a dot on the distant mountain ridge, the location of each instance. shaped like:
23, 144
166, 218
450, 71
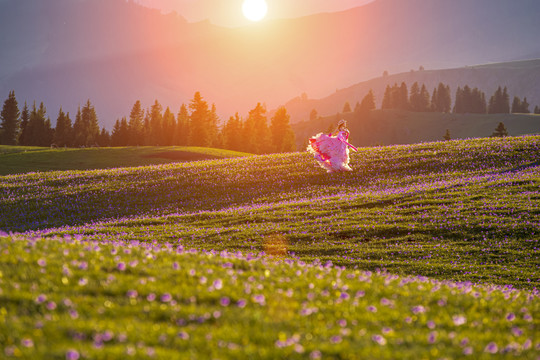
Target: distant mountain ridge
115, 52
522, 78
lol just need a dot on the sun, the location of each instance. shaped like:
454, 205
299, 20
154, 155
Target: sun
254, 10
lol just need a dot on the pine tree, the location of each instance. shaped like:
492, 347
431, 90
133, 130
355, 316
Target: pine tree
38, 132
200, 116
115, 136
403, 97
537, 109
477, 104
63, 130
367, 104
283, 138
10, 121
146, 128
387, 98
168, 128
104, 139
516, 105
215, 137
424, 103
494, 106
124, 132
182, 126
500, 131
79, 138
231, 132
505, 105
25, 119
313, 115
136, 118
458, 104
90, 124
347, 107
434, 100
261, 132
414, 97
156, 124
525, 106
447, 135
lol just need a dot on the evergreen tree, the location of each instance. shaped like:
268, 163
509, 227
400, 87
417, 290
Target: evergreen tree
90, 124
79, 138
116, 134
104, 139
477, 102
347, 107
231, 132
403, 97
10, 121
424, 103
25, 119
63, 130
156, 124
500, 131
387, 98
525, 106
458, 104
313, 115
414, 97
124, 132
283, 138
182, 126
444, 99
168, 128
537, 109
136, 119
505, 106
261, 132
215, 135
516, 105
447, 135
199, 122
494, 106
434, 99
38, 131
367, 104
146, 128
499, 103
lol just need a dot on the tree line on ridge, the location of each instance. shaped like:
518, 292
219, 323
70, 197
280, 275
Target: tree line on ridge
195, 124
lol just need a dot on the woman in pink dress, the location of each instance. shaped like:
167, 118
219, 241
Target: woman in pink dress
332, 150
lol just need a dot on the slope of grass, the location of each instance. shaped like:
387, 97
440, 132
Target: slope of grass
164, 261
75, 299
461, 210
23, 159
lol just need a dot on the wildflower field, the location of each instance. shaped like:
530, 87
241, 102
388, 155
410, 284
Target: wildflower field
423, 251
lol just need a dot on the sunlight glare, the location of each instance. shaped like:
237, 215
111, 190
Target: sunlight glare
254, 10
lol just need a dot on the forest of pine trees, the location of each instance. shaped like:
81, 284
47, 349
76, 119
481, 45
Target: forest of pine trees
195, 124
466, 100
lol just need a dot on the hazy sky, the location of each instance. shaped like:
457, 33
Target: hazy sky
228, 12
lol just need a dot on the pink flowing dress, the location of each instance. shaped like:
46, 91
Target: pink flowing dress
331, 152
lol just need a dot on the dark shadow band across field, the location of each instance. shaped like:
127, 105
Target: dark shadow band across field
447, 210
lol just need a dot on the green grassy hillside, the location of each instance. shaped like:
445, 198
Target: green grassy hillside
22, 159
389, 127
422, 251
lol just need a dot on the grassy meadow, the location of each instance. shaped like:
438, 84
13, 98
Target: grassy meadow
422, 251
21, 159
